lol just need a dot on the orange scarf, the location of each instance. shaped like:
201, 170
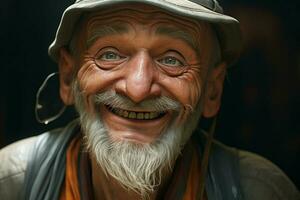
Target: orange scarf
71, 189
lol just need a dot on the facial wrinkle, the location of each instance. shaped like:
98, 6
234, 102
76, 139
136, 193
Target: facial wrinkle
155, 17
144, 10
143, 15
152, 18
105, 30
177, 34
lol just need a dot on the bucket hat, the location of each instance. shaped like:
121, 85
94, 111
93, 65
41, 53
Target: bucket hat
226, 27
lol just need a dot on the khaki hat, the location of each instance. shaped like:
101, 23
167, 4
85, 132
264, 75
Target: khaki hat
226, 27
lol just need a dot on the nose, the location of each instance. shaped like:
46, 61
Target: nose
139, 82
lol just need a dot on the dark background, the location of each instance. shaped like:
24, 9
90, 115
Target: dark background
261, 102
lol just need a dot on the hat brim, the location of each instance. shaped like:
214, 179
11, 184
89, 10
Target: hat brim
227, 28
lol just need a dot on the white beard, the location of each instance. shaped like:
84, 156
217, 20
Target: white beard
139, 167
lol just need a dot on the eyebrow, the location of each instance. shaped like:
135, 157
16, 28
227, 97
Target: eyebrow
178, 34
105, 30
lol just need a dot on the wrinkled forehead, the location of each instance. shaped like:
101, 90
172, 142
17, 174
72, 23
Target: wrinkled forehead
142, 12
145, 15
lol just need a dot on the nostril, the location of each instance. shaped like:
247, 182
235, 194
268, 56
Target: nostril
155, 90
120, 87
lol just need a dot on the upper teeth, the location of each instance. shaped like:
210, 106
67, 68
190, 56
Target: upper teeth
135, 115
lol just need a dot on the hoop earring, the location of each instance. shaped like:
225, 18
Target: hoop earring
47, 104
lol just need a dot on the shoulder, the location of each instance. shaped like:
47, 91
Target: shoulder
16, 158
13, 162
262, 180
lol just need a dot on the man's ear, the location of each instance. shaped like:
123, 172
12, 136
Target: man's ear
214, 90
66, 70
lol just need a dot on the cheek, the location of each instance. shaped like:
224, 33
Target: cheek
195, 87
92, 80
87, 77
186, 89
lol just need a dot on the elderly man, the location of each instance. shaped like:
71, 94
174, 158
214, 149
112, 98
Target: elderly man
140, 74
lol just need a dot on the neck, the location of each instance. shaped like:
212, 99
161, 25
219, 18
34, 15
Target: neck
106, 187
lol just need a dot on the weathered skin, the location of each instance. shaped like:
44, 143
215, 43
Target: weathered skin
142, 64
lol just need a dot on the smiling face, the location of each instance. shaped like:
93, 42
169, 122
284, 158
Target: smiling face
142, 54
142, 79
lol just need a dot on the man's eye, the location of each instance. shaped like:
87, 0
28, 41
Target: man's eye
171, 61
110, 56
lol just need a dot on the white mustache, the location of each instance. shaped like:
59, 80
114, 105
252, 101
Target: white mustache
159, 104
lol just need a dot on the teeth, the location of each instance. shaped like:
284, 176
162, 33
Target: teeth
119, 112
147, 116
135, 115
140, 115
132, 115
153, 115
125, 114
